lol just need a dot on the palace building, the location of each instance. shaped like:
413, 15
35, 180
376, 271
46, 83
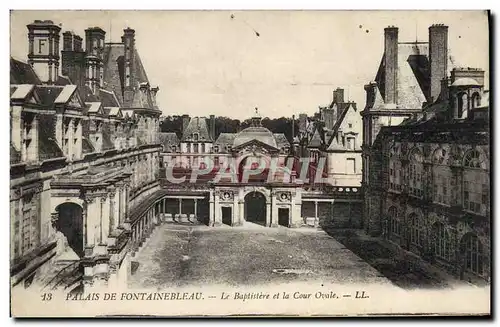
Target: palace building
84, 158
426, 156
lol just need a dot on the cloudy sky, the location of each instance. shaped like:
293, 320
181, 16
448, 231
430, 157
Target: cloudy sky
208, 62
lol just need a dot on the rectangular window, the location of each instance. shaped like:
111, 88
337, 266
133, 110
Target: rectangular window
203, 148
351, 166
195, 147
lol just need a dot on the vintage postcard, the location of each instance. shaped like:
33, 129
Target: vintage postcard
249, 163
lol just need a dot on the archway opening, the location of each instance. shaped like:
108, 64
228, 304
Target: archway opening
70, 224
257, 168
255, 208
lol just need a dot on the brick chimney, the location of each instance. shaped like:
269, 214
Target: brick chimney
391, 63
73, 58
338, 95
438, 57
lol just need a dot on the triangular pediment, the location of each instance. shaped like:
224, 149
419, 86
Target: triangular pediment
75, 101
255, 146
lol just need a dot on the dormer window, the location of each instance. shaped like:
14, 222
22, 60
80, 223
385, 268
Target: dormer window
195, 136
216, 148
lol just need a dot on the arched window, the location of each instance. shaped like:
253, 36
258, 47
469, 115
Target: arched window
462, 105
394, 225
417, 231
476, 185
472, 250
415, 171
442, 178
475, 100
441, 241
395, 171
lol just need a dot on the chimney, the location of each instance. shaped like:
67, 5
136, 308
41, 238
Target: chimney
94, 47
338, 95
43, 54
73, 59
391, 63
329, 117
444, 94
438, 57
128, 40
185, 122
212, 126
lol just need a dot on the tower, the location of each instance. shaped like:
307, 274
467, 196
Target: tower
94, 46
43, 54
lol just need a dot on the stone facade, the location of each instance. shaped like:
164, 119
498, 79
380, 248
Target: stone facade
427, 175
83, 155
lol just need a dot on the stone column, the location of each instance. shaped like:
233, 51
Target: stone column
217, 211
196, 208
241, 211
274, 213
164, 205
180, 206
268, 214
92, 215
102, 219
316, 220
211, 211
112, 194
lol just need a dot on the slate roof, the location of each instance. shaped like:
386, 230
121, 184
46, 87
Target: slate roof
316, 140
22, 73
281, 140
108, 98
47, 145
168, 140
87, 146
48, 94
114, 77
197, 125
413, 75
224, 140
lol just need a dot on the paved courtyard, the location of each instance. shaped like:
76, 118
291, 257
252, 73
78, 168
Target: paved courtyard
176, 255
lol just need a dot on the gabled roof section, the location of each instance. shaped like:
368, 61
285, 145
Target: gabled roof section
21, 92
316, 140
114, 112
94, 108
197, 125
334, 144
47, 145
281, 140
108, 98
22, 73
48, 93
65, 95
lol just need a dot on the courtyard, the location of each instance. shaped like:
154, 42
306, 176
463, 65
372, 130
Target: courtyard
177, 255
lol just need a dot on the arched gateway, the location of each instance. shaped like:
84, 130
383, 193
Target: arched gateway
255, 208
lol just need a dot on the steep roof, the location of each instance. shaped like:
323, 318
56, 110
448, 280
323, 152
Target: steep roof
197, 125
22, 73
114, 77
169, 140
47, 145
413, 75
316, 140
281, 140
48, 94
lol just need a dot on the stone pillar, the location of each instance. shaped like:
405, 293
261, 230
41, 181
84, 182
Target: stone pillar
316, 220
164, 205
217, 211
112, 193
180, 206
268, 214
274, 211
211, 211
196, 208
102, 219
241, 211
